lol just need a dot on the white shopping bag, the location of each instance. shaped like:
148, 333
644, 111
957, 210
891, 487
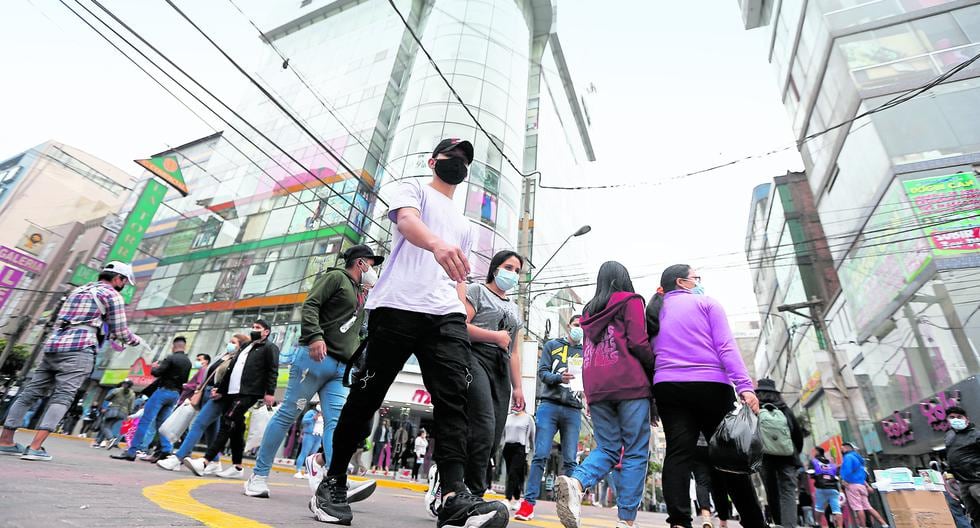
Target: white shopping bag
178, 421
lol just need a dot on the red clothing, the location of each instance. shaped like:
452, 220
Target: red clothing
618, 360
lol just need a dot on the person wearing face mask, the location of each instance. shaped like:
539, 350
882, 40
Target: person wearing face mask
559, 411
329, 335
69, 355
698, 373
201, 362
418, 307
251, 376
207, 422
493, 324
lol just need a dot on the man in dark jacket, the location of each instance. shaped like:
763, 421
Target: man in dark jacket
329, 335
780, 466
171, 374
251, 376
559, 410
963, 457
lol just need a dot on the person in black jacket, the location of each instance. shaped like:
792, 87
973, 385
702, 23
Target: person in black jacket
171, 374
963, 457
780, 472
251, 376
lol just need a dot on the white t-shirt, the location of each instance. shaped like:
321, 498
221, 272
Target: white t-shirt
421, 445
235, 381
412, 280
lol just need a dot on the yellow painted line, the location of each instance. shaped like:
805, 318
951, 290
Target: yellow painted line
553, 522
175, 496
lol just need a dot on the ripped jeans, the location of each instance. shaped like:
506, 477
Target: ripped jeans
306, 378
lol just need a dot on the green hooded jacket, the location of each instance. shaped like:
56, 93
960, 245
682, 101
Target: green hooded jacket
333, 313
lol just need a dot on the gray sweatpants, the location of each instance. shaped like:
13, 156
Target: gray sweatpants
59, 374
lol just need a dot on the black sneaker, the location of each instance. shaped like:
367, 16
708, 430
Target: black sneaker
329, 503
465, 510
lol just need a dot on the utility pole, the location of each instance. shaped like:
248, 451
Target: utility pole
525, 243
816, 316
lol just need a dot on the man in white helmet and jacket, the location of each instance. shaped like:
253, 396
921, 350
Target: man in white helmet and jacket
91, 313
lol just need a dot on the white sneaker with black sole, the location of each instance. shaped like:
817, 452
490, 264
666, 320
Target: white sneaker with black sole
433, 495
357, 490
568, 501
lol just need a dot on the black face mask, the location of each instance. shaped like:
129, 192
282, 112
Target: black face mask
255, 335
119, 288
451, 171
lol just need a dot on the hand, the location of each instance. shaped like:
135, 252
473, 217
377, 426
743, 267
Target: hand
215, 395
567, 376
318, 350
135, 341
503, 339
654, 420
588, 413
270, 400
518, 399
749, 398
452, 259
155, 364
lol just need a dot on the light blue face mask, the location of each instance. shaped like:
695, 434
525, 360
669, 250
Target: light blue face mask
697, 290
505, 279
576, 334
958, 424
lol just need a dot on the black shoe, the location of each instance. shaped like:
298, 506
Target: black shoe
329, 503
123, 455
156, 457
466, 510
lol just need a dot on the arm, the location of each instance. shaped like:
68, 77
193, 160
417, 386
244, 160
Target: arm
727, 350
544, 366
116, 318
477, 334
636, 335
272, 372
308, 419
515, 374
310, 331
451, 258
196, 381
161, 368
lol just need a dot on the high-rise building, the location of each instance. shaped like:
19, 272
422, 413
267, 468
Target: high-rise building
253, 233
896, 194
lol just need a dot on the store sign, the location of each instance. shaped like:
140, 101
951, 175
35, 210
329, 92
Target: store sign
922, 427
898, 428
20, 260
167, 169
949, 207
9, 279
811, 388
935, 409
139, 219
84, 274
32, 242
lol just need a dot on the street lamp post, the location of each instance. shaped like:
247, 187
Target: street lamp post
525, 294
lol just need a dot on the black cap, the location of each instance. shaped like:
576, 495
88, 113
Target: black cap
361, 251
451, 143
766, 384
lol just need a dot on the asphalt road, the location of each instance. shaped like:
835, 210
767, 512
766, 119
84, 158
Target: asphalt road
83, 487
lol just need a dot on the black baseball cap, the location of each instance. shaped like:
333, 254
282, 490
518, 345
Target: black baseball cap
361, 251
451, 143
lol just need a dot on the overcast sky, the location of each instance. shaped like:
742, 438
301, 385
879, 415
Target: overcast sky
680, 86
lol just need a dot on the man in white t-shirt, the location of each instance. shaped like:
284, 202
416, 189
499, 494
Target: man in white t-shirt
418, 308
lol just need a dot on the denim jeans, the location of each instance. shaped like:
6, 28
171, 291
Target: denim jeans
553, 418
309, 447
155, 412
306, 378
59, 375
205, 421
619, 425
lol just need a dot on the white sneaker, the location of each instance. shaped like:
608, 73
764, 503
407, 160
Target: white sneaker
622, 524
314, 472
433, 495
358, 491
299, 475
568, 501
513, 505
171, 463
231, 472
257, 486
104, 443
197, 465
213, 469
144, 456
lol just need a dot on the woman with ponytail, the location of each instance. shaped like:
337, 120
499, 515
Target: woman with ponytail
698, 372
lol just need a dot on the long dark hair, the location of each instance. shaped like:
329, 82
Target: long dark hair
499, 259
613, 278
668, 283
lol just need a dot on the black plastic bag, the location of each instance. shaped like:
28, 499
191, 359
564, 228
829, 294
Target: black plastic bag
736, 446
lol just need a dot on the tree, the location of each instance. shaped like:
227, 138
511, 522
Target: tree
15, 361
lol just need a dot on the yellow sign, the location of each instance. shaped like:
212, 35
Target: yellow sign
810, 388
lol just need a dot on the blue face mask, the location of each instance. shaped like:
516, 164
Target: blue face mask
505, 279
576, 334
958, 424
697, 290
197, 364
230, 348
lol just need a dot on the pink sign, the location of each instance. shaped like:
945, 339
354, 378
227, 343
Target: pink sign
20, 260
9, 278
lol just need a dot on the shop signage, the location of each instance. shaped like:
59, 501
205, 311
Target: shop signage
898, 428
954, 202
935, 409
136, 223
20, 260
810, 389
9, 279
167, 169
84, 274
422, 396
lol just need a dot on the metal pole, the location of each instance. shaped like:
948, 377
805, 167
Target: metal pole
817, 316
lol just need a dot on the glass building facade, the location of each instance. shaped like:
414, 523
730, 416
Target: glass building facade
255, 230
896, 195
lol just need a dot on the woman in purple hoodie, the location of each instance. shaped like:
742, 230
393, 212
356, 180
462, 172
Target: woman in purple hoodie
616, 374
697, 366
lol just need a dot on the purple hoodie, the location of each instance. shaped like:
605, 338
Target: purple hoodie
615, 350
695, 343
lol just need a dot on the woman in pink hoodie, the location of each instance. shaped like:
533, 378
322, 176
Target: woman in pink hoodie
698, 372
616, 373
